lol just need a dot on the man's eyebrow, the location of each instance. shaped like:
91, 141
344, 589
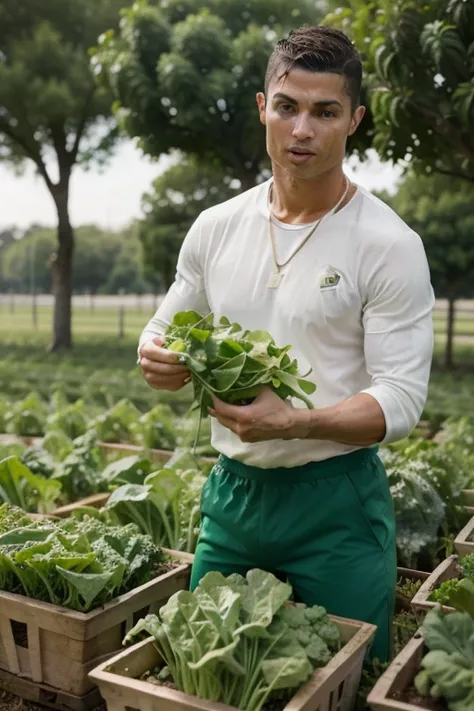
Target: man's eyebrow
323, 103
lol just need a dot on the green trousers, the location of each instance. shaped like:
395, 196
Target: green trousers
327, 527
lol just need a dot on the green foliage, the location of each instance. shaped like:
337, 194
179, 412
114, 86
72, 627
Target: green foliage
186, 79
254, 644
231, 363
27, 417
419, 69
165, 505
447, 668
77, 564
105, 262
30, 492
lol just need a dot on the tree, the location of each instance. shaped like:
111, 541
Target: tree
419, 67
178, 196
440, 210
187, 80
51, 108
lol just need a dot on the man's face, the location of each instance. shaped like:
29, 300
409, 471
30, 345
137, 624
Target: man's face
308, 117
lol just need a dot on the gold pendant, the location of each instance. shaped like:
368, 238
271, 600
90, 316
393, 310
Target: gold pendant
274, 280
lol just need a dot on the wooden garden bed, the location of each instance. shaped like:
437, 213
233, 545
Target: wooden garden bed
394, 684
463, 543
334, 687
49, 650
446, 570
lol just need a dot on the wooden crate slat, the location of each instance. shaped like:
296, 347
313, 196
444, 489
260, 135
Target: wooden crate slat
9, 644
446, 570
397, 678
34, 647
462, 542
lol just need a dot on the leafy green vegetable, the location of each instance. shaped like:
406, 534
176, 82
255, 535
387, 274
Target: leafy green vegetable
155, 429
235, 641
117, 423
27, 417
448, 668
20, 487
458, 592
165, 506
231, 363
71, 420
80, 472
76, 564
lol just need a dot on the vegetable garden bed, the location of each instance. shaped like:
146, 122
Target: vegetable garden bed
447, 570
464, 541
395, 683
333, 687
46, 651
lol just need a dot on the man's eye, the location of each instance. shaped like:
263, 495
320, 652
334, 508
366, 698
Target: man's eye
286, 108
326, 113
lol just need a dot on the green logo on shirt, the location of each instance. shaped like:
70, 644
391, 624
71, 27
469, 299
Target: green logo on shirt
329, 279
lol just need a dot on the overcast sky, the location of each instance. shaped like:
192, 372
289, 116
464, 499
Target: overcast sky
111, 198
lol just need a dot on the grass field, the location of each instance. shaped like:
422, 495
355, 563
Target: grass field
102, 367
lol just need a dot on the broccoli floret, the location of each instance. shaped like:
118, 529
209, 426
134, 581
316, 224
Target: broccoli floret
315, 613
329, 633
318, 652
293, 616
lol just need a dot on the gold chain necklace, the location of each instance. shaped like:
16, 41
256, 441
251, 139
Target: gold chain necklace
276, 277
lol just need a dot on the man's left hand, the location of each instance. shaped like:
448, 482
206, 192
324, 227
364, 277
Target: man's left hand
267, 417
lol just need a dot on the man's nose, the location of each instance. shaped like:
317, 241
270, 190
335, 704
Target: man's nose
303, 128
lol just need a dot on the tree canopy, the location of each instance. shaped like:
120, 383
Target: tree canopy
186, 79
419, 75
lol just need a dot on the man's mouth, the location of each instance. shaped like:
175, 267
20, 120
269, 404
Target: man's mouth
300, 155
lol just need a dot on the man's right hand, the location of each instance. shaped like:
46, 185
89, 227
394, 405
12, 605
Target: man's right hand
161, 368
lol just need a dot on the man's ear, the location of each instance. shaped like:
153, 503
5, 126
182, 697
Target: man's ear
357, 117
261, 107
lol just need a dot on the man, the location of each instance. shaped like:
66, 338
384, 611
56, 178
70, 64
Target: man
323, 265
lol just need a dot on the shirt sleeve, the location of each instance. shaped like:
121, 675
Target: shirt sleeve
398, 334
186, 293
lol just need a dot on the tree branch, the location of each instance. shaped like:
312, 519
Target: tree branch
454, 174
81, 126
30, 153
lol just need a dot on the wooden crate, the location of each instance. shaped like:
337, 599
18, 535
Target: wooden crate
403, 603
96, 501
446, 570
398, 678
332, 688
56, 647
463, 543
156, 455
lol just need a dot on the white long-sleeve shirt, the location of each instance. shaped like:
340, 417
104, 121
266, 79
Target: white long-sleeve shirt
372, 332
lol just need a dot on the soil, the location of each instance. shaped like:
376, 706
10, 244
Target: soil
277, 705
162, 568
411, 696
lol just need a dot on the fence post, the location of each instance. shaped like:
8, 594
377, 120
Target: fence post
12, 302
121, 321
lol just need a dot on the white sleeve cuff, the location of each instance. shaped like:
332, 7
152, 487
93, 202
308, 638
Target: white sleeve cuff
400, 412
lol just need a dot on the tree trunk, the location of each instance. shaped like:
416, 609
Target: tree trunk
61, 265
448, 357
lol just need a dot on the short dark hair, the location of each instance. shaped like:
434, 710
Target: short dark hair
318, 49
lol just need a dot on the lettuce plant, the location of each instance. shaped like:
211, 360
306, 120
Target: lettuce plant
30, 492
448, 668
165, 506
234, 640
77, 564
226, 361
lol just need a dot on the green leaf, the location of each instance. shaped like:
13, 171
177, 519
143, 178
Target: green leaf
88, 585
